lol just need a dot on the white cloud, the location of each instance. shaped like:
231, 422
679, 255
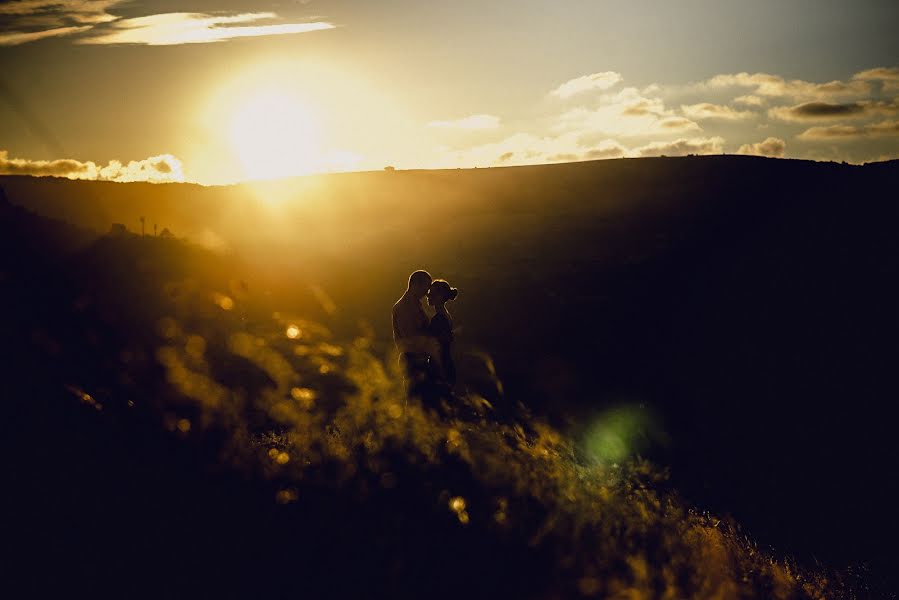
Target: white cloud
682, 147
595, 81
886, 77
80, 11
771, 147
707, 110
888, 128
196, 28
750, 100
33, 20
626, 113
14, 38
157, 169
765, 84
471, 122
25, 21
878, 74
632, 122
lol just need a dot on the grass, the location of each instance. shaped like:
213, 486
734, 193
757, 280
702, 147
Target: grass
214, 440
331, 415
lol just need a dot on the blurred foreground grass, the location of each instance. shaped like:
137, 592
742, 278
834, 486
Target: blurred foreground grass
373, 493
277, 397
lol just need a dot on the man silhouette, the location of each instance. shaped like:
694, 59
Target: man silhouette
410, 328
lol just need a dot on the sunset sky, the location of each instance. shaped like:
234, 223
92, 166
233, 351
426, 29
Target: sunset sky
222, 91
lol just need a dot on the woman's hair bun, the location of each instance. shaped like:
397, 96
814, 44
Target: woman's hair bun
446, 292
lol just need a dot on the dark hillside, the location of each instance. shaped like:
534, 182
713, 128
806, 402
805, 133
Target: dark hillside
168, 434
744, 305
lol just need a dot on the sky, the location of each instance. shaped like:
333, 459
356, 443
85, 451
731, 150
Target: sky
225, 91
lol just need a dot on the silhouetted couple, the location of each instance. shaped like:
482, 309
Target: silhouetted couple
425, 345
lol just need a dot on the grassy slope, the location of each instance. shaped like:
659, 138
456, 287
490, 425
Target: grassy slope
165, 445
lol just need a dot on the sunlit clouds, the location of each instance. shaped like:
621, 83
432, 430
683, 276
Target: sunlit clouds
158, 169
766, 84
749, 100
771, 147
470, 122
14, 38
59, 12
683, 147
889, 128
707, 110
196, 28
712, 116
24, 21
595, 81
627, 113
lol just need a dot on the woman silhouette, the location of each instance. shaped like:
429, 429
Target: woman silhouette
441, 328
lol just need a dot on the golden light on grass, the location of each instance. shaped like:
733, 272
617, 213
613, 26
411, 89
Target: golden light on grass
279, 457
222, 301
305, 396
457, 505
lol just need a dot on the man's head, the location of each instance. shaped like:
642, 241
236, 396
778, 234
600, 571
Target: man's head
419, 282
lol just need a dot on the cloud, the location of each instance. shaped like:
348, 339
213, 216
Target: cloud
196, 28
765, 84
59, 11
878, 74
595, 81
24, 21
681, 147
888, 128
471, 122
636, 122
157, 169
771, 147
750, 100
677, 124
816, 111
606, 149
707, 110
626, 113
639, 106
886, 77
14, 38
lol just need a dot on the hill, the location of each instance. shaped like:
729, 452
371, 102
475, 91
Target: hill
745, 306
169, 434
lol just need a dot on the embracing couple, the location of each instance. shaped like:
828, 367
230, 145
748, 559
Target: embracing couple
425, 345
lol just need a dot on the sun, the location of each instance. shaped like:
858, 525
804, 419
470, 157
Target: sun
274, 134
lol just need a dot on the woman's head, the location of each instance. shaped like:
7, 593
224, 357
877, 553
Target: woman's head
441, 292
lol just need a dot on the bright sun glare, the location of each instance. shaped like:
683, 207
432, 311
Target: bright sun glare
274, 135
